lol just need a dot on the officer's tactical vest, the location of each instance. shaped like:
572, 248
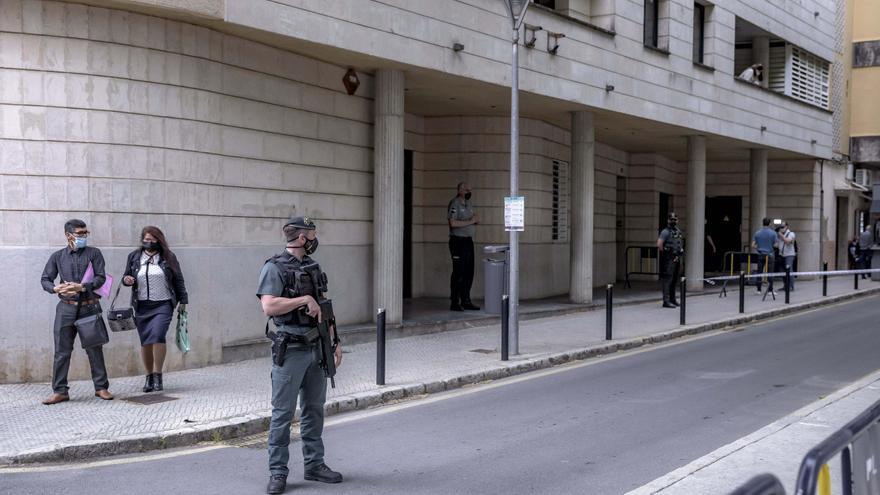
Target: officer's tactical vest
297, 283
675, 243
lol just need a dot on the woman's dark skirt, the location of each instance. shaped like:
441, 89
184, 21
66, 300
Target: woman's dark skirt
153, 319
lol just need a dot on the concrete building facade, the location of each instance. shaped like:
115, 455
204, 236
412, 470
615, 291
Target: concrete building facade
217, 119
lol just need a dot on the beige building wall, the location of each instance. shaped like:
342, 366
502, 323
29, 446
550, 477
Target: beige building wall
126, 120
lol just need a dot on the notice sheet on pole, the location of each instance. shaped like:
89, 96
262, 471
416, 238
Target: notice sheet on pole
514, 213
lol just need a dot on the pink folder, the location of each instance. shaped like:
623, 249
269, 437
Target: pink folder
104, 290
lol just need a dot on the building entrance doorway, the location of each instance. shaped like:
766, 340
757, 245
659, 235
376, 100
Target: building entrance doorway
724, 227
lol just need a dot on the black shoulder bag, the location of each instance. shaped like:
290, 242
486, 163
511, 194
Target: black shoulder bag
91, 329
120, 319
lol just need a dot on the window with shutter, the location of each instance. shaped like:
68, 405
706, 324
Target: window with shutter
776, 70
809, 77
561, 196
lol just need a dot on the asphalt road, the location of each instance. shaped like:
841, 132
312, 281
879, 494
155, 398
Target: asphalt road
600, 427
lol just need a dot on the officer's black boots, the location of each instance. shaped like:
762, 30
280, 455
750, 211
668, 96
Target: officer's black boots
469, 305
277, 484
455, 306
149, 385
322, 473
157, 378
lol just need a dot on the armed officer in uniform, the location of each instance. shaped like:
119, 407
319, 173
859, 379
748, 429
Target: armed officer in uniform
462, 220
291, 284
670, 247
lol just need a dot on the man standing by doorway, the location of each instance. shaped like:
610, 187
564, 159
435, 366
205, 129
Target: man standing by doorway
462, 221
670, 247
866, 239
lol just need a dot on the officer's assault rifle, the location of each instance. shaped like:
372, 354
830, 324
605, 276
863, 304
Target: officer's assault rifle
326, 343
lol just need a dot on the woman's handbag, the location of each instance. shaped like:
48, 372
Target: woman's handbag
182, 337
120, 319
91, 329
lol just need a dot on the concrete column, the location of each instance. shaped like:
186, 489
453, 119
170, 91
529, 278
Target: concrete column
761, 54
388, 195
696, 214
757, 190
583, 173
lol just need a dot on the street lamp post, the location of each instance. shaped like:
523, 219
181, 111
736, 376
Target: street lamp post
517, 10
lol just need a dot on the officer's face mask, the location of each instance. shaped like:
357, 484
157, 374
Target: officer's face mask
467, 195
311, 245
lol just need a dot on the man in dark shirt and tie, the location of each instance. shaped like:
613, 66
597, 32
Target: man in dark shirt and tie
77, 300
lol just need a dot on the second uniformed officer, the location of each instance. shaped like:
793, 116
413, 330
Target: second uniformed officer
462, 219
288, 295
670, 247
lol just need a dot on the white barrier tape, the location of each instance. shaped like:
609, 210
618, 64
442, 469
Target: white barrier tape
782, 274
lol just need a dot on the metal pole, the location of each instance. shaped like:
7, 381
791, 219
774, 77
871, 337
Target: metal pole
505, 334
683, 307
514, 190
742, 292
380, 347
787, 284
856, 281
825, 279
609, 304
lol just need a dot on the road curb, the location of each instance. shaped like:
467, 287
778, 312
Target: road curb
258, 422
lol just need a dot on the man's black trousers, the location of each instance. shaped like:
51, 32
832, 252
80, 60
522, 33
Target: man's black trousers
462, 251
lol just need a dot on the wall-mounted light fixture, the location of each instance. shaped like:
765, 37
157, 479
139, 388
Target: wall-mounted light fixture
553, 46
609, 87
816, 14
350, 81
813, 141
457, 47
763, 128
531, 35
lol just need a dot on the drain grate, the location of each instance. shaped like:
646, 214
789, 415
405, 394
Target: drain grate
148, 399
483, 351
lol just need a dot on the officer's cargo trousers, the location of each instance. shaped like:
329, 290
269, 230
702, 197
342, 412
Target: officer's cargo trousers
302, 376
462, 251
668, 278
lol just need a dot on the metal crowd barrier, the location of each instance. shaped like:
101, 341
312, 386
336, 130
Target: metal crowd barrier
858, 444
647, 263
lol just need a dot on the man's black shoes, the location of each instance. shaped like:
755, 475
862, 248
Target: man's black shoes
469, 306
277, 484
322, 473
668, 305
455, 307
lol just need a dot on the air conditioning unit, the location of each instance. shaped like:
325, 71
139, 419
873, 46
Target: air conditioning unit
863, 177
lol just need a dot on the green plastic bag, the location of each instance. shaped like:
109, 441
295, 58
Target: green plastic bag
182, 337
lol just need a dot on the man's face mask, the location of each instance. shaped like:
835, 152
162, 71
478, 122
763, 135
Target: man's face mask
309, 245
467, 195
80, 242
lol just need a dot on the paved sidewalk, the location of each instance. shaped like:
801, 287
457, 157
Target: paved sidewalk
778, 448
225, 401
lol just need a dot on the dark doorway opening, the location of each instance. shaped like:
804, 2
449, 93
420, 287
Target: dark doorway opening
841, 261
724, 227
663, 211
407, 222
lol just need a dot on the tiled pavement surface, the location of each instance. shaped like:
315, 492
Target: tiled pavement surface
221, 395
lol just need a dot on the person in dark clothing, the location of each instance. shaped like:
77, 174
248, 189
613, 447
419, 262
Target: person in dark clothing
670, 247
77, 300
764, 242
157, 286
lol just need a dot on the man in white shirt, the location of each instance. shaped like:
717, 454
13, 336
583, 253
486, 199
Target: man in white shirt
754, 74
787, 249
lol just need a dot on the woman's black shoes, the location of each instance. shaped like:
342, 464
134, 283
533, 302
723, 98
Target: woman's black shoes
157, 380
150, 384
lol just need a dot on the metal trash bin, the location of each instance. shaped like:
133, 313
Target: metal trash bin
494, 278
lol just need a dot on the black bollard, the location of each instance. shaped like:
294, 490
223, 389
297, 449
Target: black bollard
825, 279
856, 281
505, 334
742, 292
609, 300
787, 284
682, 307
380, 347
